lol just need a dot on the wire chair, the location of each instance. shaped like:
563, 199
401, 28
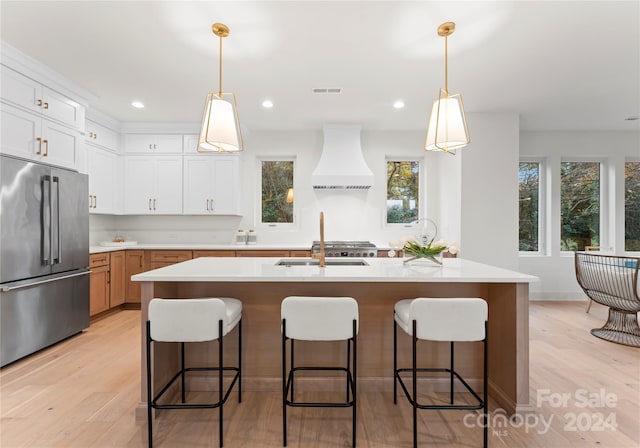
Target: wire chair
612, 281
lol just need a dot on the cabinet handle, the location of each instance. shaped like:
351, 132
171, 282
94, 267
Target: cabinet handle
207, 204
95, 136
40, 102
46, 105
90, 196
211, 200
39, 140
149, 204
90, 134
95, 201
154, 146
154, 204
140, 261
46, 147
108, 276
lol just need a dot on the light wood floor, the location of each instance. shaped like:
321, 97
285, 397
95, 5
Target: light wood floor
82, 393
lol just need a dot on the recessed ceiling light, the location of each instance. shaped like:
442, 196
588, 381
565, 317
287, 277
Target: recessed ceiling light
267, 104
137, 105
398, 104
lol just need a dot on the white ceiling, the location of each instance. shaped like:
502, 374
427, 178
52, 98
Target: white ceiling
561, 65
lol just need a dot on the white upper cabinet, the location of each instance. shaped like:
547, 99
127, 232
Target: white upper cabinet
153, 185
190, 143
27, 135
26, 93
152, 143
104, 188
211, 185
39, 123
99, 135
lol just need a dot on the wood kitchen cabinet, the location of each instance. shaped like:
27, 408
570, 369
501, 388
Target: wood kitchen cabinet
134, 264
211, 185
153, 185
300, 253
162, 258
262, 253
106, 281
214, 253
98, 283
116, 278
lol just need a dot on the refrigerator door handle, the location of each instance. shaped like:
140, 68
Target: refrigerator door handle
58, 260
12, 288
45, 227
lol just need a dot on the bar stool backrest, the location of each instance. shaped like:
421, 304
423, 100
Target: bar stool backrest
449, 319
186, 320
320, 318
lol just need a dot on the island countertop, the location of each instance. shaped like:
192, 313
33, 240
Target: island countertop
209, 269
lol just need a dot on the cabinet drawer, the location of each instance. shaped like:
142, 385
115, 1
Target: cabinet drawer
96, 260
262, 253
214, 253
170, 256
300, 253
149, 143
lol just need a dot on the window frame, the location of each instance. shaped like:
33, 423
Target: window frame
259, 224
624, 209
603, 236
543, 212
421, 190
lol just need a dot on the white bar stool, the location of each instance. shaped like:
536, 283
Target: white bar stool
319, 319
193, 320
445, 319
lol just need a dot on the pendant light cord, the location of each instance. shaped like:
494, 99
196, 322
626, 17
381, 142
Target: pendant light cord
220, 86
446, 65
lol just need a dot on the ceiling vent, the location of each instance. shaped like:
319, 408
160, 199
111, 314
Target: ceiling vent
342, 165
327, 90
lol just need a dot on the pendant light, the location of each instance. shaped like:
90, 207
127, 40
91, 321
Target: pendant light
447, 129
220, 131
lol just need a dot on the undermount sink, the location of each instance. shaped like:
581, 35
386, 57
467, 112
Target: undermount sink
328, 262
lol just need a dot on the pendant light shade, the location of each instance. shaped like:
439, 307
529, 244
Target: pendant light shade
447, 130
220, 130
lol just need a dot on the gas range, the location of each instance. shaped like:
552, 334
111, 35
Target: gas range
346, 249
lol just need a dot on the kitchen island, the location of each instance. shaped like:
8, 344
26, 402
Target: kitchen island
261, 284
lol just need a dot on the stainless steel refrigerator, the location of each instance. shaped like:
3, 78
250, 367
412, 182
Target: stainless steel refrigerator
44, 256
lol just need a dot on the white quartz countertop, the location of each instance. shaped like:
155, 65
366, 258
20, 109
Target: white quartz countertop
197, 246
208, 269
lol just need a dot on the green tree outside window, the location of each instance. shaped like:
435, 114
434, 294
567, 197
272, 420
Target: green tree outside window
403, 186
277, 180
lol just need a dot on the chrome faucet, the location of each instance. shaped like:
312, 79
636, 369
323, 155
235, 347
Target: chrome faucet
320, 255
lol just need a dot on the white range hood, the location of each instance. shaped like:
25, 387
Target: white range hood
342, 164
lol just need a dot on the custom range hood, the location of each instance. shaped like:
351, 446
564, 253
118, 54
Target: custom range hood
342, 164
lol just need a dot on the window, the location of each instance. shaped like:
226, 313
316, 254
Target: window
403, 187
632, 206
529, 190
277, 191
580, 205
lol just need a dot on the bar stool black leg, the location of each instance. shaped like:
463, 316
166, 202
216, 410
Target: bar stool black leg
415, 387
348, 365
240, 361
284, 383
182, 374
485, 392
149, 398
451, 373
395, 360
292, 366
355, 380
220, 391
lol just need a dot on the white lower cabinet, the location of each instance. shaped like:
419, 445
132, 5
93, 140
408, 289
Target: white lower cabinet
29, 136
104, 187
211, 185
153, 185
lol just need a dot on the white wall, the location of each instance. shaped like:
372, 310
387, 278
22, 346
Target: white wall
490, 190
556, 269
464, 206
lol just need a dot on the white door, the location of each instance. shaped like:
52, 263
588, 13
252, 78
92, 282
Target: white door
197, 193
20, 131
60, 144
139, 185
168, 185
102, 165
226, 185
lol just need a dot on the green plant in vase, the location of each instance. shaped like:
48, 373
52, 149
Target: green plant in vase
430, 251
